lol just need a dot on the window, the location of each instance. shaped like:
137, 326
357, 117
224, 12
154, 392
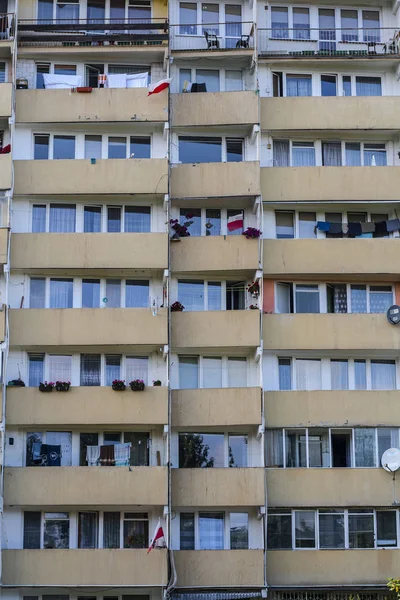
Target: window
212, 372
113, 369
90, 369
90, 293
111, 530
139, 147
36, 369
210, 78
93, 145
191, 218
281, 153
237, 450
136, 530
375, 155
235, 295
239, 531
92, 219
85, 440
42, 69
37, 292
62, 218
368, 86
301, 23
41, 147
191, 294
61, 293
114, 219
137, 219
113, 293
279, 530
210, 18
318, 448
274, 446
200, 149
211, 531
328, 85
197, 450
304, 523
237, 372
307, 223
285, 374
233, 81
346, 85
332, 154
116, 147
187, 524
232, 213
341, 448
188, 18
296, 448
360, 375
88, 529
214, 295
234, 150
361, 529
279, 22
298, 85
137, 368
284, 224
353, 154
331, 529
60, 367
38, 218
364, 441
32, 526
383, 374
386, 528
307, 299
56, 531
67, 11
140, 443
349, 23
303, 154
308, 374
64, 147
387, 438
339, 375
136, 293
188, 372
371, 25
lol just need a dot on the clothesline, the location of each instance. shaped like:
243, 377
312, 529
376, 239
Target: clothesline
359, 229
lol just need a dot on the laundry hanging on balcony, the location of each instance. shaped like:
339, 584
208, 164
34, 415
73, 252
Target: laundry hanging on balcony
58, 82
359, 229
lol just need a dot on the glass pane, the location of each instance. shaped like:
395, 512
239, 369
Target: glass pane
239, 523
186, 531
137, 219
360, 374
358, 295
210, 18
285, 373
85, 440
184, 75
38, 218
237, 372
280, 22
191, 219
136, 533
234, 150
201, 450
353, 154
386, 528
279, 531
318, 448
56, 531
328, 85
32, 524
41, 147
368, 86
331, 154
113, 369
298, 85
308, 374
113, 219
364, 441
139, 147
214, 295
349, 22
88, 529
200, 149
90, 369
212, 372
64, 147
274, 448
188, 372
281, 150
303, 154
137, 367
305, 529
375, 155
331, 530
62, 218
361, 530
346, 85
191, 294
307, 299
339, 375
93, 146
211, 531
111, 530
233, 81
113, 293
307, 223
37, 293
61, 291
301, 23
383, 374
137, 293
295, 441
116, 147
238, 446
210, 78
284, 223
188, 18
387, 438
42, 69
60, 367
90, 293
380, 298
213, 221
139, 448
36, 369
92, 219
370, 23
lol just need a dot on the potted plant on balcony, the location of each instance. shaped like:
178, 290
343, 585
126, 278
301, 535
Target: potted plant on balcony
137, 385
181, 230
46, 387
177, 307
252, 233
118, 385
254, 289
157, 382
16, 383
253, 307
63, 386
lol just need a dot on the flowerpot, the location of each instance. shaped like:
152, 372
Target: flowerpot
119, 388
62, 387
137, 387
45, 388
157, 384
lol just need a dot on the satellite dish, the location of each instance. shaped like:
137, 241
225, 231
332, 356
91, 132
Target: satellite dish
391, 460
393, 314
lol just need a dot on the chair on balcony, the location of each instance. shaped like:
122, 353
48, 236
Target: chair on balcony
243, 42
212, 41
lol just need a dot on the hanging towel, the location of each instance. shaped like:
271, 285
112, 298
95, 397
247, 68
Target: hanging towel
53, 82
368, 227
324, 226
137, 80
107, 456
355, 229
380, 228
392, 225
116, 80
51, 455
122, 454
93, 456
335, 228
36, 450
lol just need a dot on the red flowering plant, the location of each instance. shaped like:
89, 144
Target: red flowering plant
118, 385
137, 385
62, 386
177, 307
181, 229
46, 386
252, 233
254, 288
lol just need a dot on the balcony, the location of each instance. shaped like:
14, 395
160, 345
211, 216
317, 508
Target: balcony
5, 99
85, 568
216, 407
329, 487
214, 109
86, 406
218, 487
329, 114
332, 567
232, 330
101, 105
91, 328
347, 184
216, 180
7, 32
220, 568
233, 38
347, 259
5, 171
336, 408
99, 252
38, 487
107, 176
329, 332
217, 255
284, 43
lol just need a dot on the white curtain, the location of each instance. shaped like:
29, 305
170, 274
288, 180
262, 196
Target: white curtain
339, 375
237, 372
332, 154
303, 155
274, 447
353, 154
60, 368
233, 81
137, 367
387, 438
281, 153
364, 440
298, 86
212, 372
61, 293
383, 374
308, 374
62, 218
113, 293
368, 86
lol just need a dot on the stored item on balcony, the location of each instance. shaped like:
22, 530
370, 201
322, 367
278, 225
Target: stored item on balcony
137, 385
63, 386
102, 79
113, 455
252, 233
235, 222
6, 149
358, 229
46, 455
254, 289
177, 307
212, 40
198, 87
83, 90
21, 83
157, 382
16, 383
181, 229
46, 387
118, 385
243, 42
253, 307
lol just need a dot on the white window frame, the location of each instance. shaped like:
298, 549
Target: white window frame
227, 526
225, 372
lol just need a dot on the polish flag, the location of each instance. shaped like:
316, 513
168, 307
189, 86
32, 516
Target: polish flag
155, 88
158, 535
235, 222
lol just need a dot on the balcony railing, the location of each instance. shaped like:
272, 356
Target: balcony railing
283, 41
93, 32
213, 36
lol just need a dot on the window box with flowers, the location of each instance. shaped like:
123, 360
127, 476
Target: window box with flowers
252, 233
118, 385
177, 307
63, 386
46, 387
180, 230
137, 385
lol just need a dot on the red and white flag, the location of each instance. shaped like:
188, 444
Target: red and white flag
235, 222
155, 88
158, 535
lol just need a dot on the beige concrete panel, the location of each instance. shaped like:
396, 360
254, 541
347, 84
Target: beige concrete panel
5, 99
107, 105
214, 253
216, 407
107, 176
87, 327
329, 332
220, 568
331, 567
202, 180
217, 487
214, 108
332, 408
103, 251
341, 257
3, 245
27, 9
85, 567
5, 171
160, 9
87, 406
85, 486
216, 329
337, 113
330, 183
329, 487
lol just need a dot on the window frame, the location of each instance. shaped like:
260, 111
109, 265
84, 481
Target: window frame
224, 366
227, 526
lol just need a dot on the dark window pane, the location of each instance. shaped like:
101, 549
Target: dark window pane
198, 450
116, 147
92, 219
37, 293
90, 293
284, 224
239, 524
280, 532
191, 218
285, 374
88, 529
139, 147
42, 69
41, 147
137, 219
36, 367
234, 150
237, 450
113, 219
328, 85
187, 531
213, 221
139, 448
56, 531
111, 530
32, 522
113, 369
38, 218
136, 533
200, 149
64, 147
90, 369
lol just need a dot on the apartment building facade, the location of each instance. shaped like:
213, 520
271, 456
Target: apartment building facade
271, 373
